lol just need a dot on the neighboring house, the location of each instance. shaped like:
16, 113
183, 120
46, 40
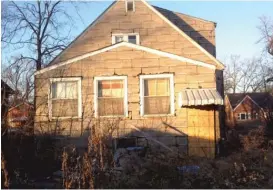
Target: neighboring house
247, 108
150, 70
6, 91
20, 115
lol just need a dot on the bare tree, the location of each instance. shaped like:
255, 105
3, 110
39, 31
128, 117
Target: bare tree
266, 29
232, 74
40, 29
19, 76
249, 75
32, 34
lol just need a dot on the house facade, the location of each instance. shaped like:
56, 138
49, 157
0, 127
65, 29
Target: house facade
20, 115
6, 91
148, 71
247, 108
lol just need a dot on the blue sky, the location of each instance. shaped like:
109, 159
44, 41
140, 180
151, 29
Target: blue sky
237, 22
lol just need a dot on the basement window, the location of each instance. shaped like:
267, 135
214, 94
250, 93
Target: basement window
131, 38
130, 5
156, 94
110, 96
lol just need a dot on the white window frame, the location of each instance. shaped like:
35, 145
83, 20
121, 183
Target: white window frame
125, 86
246, 116
141, 92
65, 79
126, 37
134, 5
249, 116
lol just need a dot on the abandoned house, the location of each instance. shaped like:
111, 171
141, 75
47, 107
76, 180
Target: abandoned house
6, 92
247, 108
20, 115
149, 72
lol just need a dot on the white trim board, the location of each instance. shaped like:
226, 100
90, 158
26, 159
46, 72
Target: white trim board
221, 65
130, 45
247, 96
85, 31
125, 37
156, 12
125, 86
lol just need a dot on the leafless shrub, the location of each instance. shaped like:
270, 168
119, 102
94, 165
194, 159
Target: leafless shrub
254, 139
5, 176
87, 170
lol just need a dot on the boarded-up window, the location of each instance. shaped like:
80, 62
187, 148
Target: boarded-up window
64, 102
111, 97
157, 96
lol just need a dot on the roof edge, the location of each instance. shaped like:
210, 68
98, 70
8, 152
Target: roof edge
221, 65
130, 45
187, 15
82, 33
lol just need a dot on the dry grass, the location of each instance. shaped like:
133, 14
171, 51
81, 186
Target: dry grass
5, 176
251, 167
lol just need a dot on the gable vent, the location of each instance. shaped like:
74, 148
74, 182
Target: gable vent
130, 5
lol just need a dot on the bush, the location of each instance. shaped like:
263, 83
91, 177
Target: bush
254, 139
27, 157
251, 167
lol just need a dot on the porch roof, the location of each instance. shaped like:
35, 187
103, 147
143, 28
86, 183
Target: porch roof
198, 97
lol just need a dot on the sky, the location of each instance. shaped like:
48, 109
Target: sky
237, 22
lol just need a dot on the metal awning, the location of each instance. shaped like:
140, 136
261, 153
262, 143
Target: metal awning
197, 97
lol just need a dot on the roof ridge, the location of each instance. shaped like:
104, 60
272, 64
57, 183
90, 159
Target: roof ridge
185, 14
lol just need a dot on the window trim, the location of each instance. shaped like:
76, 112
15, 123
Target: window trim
125, 84
141, 93
126, 7
125, 37
246, 116
65, 79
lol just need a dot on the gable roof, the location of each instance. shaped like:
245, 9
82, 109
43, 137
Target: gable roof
218, 63
130, 45
166, 11
221, 65
200, 30
262, 99
82, 33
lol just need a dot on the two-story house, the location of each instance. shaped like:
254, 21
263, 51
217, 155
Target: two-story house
151, 70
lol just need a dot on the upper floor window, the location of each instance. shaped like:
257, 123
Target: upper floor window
130, 5
131, 38
157, 94
65, 97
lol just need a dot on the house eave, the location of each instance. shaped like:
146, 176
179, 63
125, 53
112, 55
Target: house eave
129, 45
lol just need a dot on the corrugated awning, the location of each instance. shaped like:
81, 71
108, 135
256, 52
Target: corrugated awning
197, 97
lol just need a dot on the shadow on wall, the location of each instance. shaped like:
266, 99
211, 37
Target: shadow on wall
162, 137
189, 30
